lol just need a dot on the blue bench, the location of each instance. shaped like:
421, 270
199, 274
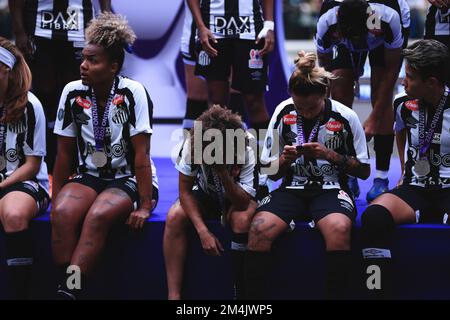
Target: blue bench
132, 266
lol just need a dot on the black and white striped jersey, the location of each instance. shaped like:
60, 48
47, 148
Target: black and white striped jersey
247, 180
407, 117
26, 137
393, 15
189, 34
130, 113
242, 19
437, 23
64, 20
340, 130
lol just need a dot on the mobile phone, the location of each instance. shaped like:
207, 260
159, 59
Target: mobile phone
299, 148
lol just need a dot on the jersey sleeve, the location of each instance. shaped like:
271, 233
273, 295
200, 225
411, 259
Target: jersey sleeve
142, 112
35, 138
183, 164
359, 139
65, 125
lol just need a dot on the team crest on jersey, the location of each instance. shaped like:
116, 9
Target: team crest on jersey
203, 59
256, 61
17, 127
333, 141
120, 116
436, 138
290, 119
86, 104
12, 155
412, 105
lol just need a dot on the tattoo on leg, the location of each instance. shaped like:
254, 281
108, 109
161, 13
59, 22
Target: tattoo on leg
260, 233
117, 192
69, 195
88, 244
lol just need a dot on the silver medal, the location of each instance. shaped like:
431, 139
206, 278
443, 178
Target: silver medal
2, 163
422, 167
99, 159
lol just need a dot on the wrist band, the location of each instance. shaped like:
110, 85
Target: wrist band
270, 25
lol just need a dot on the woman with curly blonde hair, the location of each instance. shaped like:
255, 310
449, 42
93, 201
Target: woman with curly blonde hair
321, 142
23, 173
107, 120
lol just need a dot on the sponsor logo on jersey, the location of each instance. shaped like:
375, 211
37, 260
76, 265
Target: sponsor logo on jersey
203, 59
118, 100
61, 113
436, 138
231, 26
67, 21
268, 142
12, 155
256, 61
290, 119
86, 104
31, 185
412, 105
334, 126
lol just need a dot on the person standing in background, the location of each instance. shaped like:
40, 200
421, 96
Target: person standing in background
51, 36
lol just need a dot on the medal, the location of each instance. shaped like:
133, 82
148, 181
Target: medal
422, 167
99, 159
2, 140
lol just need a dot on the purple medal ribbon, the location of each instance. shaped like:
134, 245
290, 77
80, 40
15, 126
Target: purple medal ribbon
99, 131
425, 138
300, 132
2, 131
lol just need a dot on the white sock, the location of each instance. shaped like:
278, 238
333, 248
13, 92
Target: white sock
381, 174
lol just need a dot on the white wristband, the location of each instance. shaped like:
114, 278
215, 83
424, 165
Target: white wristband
270, 25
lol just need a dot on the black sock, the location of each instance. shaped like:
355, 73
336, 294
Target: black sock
19, 258
238, 250
383, 145
378, 277
194, 108
72, 288
338, 265
257, 268
377, 226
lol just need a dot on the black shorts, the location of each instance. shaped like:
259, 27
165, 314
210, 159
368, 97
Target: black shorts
237, 55
54, 63
431, 203
342, 58
209, 206
33, 189
126, 184
307, 205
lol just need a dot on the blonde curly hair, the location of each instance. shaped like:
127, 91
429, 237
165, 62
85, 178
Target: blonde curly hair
112, 32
